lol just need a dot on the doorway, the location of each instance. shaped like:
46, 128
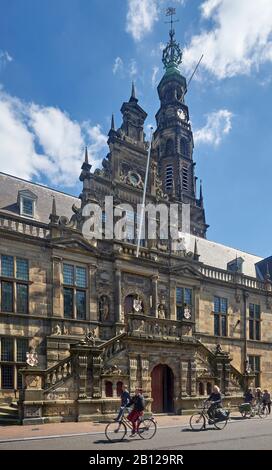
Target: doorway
162, 389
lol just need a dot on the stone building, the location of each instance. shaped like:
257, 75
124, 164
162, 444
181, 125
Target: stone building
91, 315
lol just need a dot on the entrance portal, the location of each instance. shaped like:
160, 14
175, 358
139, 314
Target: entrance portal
162, 386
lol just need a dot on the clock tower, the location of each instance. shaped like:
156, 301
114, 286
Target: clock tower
173, 139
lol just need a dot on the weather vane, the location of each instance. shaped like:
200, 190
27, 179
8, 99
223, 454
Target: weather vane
171, 12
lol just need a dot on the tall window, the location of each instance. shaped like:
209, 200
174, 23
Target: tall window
184, 147
220, 316
254, 322
168, 177
12, 359
74, 291
255, 365
169, 147
185, 178
14, 280
184, 302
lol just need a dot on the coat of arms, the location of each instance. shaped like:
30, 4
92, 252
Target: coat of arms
187, 313
32, 358
137, 305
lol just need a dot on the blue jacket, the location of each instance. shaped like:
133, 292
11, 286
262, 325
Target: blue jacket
125, 398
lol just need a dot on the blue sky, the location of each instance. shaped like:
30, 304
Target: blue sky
66, 65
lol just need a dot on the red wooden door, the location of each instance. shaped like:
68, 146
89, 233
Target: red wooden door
157, 389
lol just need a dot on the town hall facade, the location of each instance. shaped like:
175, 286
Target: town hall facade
79, 316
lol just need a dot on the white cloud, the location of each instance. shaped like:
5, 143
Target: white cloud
154, 77
44, 142
141, 16
5, 58
219, 124
118, 65
133, 69
237, 39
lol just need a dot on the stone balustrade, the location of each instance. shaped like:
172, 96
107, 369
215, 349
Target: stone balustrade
156, 328
33, 229
57, 374
235, 278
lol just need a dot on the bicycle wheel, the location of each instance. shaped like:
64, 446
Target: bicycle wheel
263, 412
147, 428
115, 432
221, 424
197, 422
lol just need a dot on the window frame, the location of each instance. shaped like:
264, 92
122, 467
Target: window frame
183, 304
17, 278
75, 288
254, 325
220, 317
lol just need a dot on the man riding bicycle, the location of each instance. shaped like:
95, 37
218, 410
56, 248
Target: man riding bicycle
215, 400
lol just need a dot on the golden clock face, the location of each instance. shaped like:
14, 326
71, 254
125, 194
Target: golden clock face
134, 178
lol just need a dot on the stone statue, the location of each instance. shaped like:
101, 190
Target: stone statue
161, 312
91, 337
219, 351
104, 308
56, 330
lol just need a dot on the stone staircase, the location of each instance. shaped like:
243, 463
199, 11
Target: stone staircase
9, 414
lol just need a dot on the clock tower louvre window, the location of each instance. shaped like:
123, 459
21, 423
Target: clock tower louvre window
185, 178
168, 177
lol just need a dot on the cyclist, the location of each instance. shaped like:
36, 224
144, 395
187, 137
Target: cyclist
248, 396
215, 400
266, 400
258, 395
125, 399
138, 404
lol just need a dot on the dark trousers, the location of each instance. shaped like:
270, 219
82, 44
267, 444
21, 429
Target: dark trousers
268, 405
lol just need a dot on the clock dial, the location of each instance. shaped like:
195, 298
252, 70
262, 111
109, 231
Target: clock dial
181, 114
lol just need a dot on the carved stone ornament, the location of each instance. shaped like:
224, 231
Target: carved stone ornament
32, 358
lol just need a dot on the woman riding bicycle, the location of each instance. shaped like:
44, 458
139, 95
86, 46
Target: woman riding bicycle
138, 407
215, 400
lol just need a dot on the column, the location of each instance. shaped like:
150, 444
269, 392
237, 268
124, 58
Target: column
133, 373
193, 378
118, 296
57, 301
92, 313
172, 300
183, 378
155, 295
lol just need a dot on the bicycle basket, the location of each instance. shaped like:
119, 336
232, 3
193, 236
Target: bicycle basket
244, 407
221, 414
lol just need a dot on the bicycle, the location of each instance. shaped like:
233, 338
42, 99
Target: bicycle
117, 431
199, 419
250, 411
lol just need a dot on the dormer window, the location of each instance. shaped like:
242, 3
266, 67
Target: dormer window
27, 203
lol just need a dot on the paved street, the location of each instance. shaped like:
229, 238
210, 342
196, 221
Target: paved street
239, 434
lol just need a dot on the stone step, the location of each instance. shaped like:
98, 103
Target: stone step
8, 410
8, 421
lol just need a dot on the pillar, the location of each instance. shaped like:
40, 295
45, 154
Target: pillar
155, 296
118, 296
93, 307
183, 378
57, 301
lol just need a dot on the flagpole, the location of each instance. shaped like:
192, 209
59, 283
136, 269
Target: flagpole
144, 195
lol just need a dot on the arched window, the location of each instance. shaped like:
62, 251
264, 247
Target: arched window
184, 147
201, 388
168, 177
108, 389
169, 147
119, 390
209, 388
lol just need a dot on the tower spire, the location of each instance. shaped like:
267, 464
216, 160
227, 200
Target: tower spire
112, 123
196, 254
86, 155
133, 93
172, 54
